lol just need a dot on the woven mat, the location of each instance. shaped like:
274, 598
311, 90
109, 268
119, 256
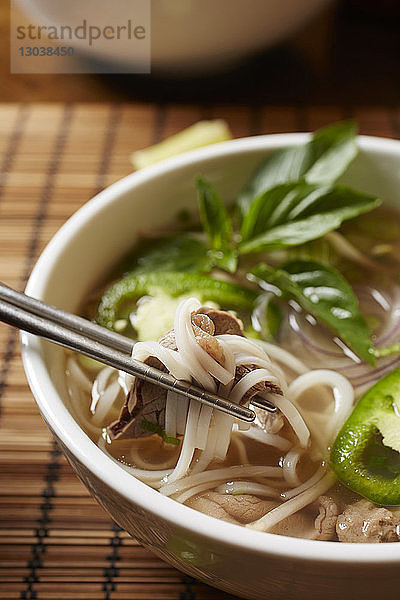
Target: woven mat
55, 541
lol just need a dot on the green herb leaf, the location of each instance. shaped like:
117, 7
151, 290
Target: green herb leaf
154, 428
321, 161
332, 149
294, 213
218, 226
324, 293
175, 253
226, 259
273, 318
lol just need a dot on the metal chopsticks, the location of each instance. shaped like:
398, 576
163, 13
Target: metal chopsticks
108, 347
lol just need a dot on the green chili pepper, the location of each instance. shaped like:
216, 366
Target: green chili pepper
366, 452
135, 285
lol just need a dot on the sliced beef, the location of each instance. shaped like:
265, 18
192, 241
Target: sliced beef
145, 402
246, 508
303, 523
325, 523
168, 340
240, 509
267, 386
202, 325
203, 322
364, 522
298, 525
203, 329
224, 322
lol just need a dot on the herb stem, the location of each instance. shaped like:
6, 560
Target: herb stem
387, 350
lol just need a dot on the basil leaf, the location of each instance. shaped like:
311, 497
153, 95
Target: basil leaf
322, 160
294, 213
174, 253
332, 149
324, 293
218, 226
226, 259
273, 318
155, 428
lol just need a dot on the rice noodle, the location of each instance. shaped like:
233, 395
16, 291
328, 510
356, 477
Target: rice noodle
284, 357
208, 453
153, 478
289, 465
274, 516
80, 404
230, 362
276, 371
106, 401
125, 381
208, 432
186, 343
182, 497
188, 445
304, 486
171, 409
225, 474
250, 380
342, 391
223, 427
241, 449
202, 365
247, 352
99, 386
243, 425
203, 426
270, 439
239, 344
170, 358
235, 488
182, 412
293, 416
79, 375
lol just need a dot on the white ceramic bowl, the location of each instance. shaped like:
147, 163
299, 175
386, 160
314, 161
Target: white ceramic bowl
241, 561
187, 36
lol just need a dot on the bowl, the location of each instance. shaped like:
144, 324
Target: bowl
241, 561
187, 37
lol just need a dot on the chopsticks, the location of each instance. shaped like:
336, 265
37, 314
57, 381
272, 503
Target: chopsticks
88, 338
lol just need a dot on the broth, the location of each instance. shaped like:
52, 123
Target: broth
245, 498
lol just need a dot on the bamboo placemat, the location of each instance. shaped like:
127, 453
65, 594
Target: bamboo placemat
55, 541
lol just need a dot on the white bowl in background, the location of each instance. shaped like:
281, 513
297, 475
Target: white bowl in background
190, 36
241, 561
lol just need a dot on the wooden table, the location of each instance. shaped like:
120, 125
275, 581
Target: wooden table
55, 541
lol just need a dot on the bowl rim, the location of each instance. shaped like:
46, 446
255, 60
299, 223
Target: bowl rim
106, 469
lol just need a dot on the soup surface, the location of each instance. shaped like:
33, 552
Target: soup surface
310, 328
